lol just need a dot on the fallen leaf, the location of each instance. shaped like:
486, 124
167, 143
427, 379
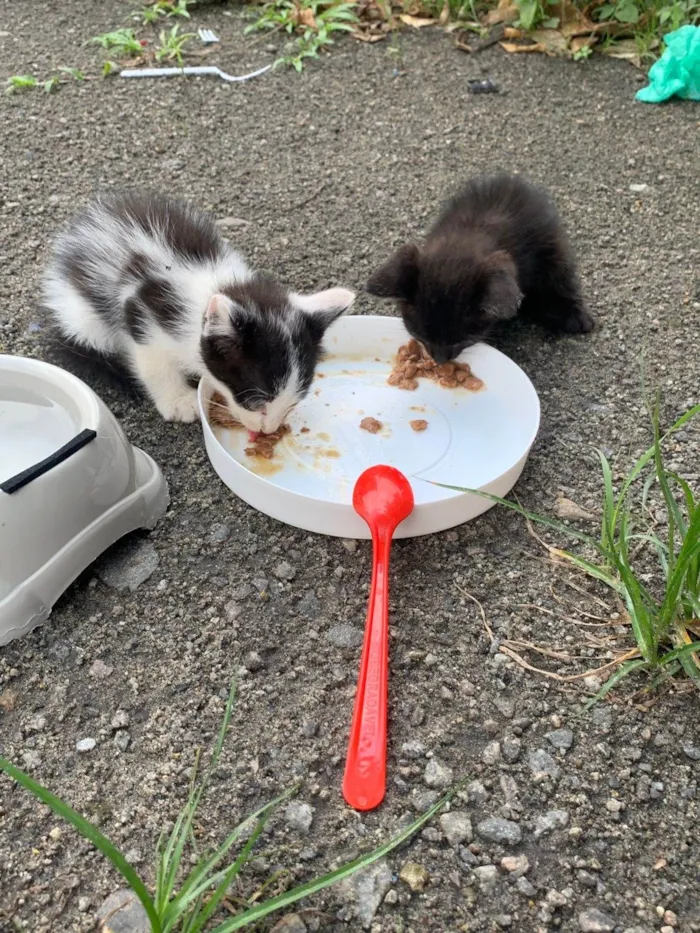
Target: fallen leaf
625, 49
505, 12
582, 42
368, 36
513, 48
510, 32
306, 18
418, 22
444, 17
552, 40
568, 509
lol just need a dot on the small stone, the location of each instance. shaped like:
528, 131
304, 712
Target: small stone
638, 188
100, 669
556, 898
415, 876
666, 929
543, 766
692, 751
548, 822
85, 745
477, 793
292, 923
437, 774
31, 760
562, 739
670, 918
430, 660
366, 890
523, 886
253, 662
457, 827
298, 816
486, 875
504, 921
284, 571
309, 606
122, 740
413, 750
595, 921
309, 729
345, 636
587, 879
392, 897
131, 566
516, 865
228, 222
55, 834
219, 533
120, 720
491, 754
510, 747
424, 799
495, 829
36, 724
83, 904
123, 912
133, 856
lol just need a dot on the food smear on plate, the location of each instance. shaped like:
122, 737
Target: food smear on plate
264, 444
419, 424
413, 363
219, 413
371, 425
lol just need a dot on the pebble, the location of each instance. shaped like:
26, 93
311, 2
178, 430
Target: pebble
437, 774
670, 918
219, 533
366, 889
415, 876
253, 662
495, 829
457, 827
134, 856
129, 568
516, 865
413, 750
284, 571
548, 822
491, 754
85, 745
292, 923
298, 816
424, 799
345, 636
309, 606
486, 875
595, 921
55, 834
692, 752
120, 720
123, 912
122, 740
523, 886
510, 747
231, 222
83, 904
543, 766
100, 669
562, 739
556, 899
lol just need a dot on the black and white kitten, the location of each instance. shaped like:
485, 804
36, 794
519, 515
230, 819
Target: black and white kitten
497, 250
152, 281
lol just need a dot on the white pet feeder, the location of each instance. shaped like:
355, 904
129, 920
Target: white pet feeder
71, 485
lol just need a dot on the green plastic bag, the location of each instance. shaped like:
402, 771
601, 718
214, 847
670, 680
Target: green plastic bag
677, 72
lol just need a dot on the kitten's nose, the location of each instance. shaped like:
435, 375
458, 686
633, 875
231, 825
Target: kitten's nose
440, 356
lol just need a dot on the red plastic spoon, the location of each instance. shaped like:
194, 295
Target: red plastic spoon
384, 498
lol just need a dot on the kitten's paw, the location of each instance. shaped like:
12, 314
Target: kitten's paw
181, 409
578, 321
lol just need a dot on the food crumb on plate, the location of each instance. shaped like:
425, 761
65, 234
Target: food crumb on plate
413, 362
419, 424
264, 444
371, 425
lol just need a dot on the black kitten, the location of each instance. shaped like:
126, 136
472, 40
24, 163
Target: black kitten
498, 249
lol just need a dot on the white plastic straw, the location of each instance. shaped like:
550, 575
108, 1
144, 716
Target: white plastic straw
198, 70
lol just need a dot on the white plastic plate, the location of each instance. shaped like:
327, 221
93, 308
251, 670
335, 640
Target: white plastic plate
479, 440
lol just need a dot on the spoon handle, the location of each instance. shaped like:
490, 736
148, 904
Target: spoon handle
364, 783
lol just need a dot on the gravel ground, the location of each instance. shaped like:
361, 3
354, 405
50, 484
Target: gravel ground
577, 824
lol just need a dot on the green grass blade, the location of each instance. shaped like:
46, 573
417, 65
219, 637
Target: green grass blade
218, 748
622, 672
201, 877
610, 513
678, 653
89, 832
312, 887
687, 559
593, 570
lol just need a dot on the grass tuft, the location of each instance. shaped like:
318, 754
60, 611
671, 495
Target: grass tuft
649, 558
191, 901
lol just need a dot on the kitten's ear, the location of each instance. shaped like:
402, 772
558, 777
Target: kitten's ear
398, 277
502, 295
219, 318
324, 307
